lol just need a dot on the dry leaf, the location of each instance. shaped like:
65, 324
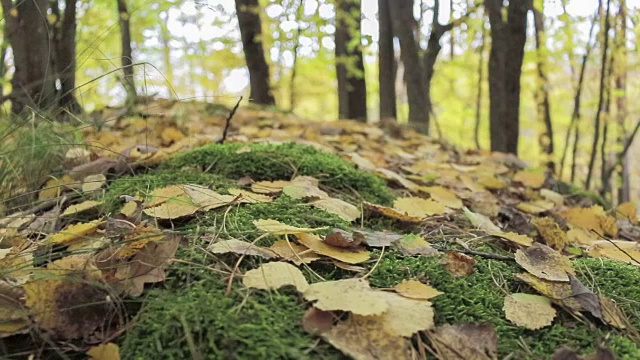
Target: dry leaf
161, 195
348, 256
458, 264
414, 289
315, 321
268, 187
277, 228
295, 253
535, 207
393, 213
377, 238
172, 210
274, 275
418, 208
465, 341
519, 239
304, 187
405, 316
249, 197
554, 197
412, 244
627, 211
81, 207
14, 318
108, 351
551, 232
593, 219
343, 209
543, 262
625, 251
241, 248
205, 198
533, 179
342, 239
481, 222
353, 295
585, 297
74, 232
443, 196
532, 312
559, 292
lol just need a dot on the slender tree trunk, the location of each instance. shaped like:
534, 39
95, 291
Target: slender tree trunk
3, 61
479, 95
542, 92
352, 86
127, 54
505, 67
605, 187
248, 12
452, 43
386, 62
33, 81
404, 26
65, 57
624, 191
603, 75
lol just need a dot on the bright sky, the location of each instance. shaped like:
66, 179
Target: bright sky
237, 79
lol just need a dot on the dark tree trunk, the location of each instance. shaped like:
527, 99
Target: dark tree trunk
479, 95
386, 62
352, 87
623, 173
404, 26
127, 54
33, 82
542, 92
505, 67
248, 12
65, 56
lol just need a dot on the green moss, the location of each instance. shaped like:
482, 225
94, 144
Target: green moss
281, 162
477, 298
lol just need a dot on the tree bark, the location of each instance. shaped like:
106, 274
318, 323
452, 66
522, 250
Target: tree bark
545, 139
33, 81
127, 53
624, 191
603, 75
414, 75
386, 62
65, 57
505, 67
248, 12
352, 87
479, 95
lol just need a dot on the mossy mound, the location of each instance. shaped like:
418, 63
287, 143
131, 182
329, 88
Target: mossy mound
282, 162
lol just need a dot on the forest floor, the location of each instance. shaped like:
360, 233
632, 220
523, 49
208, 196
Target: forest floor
300, 239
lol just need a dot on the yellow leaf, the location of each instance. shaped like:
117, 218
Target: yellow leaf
418, 207
412, 244
533, 179
83, 206
414, 289
14, 318
54, 187
268, 187
274, 275
303, 187
550, 195
74, 232
295, 253
240, 247
491, 182
171, 210
108, 351
532, 312
536, 206
93, 182
390, 175
625, 251
206, 198
560, 292
551, 232
393, 213
405, 316
277, 228
348, 256
443, 196
343, 209
628, 211
581, 236
352, 295
481, 222
593, 218
519, 239
250, 197
161, 195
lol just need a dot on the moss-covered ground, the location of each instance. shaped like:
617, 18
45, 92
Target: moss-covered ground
201, 312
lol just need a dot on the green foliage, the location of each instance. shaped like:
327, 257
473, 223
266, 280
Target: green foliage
282, 162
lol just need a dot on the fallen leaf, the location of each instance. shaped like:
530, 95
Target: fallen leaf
161, 195
108, 351
315, 321
14, 318
533, 179
393, 213
550, 195
81, 207
405, 316
249, 197
277, 228
551, 232
352, 295
625, 251
295, 253
465, 341
481, 222
93, 183
412, 244
205, 198
74, 232
418, 208
519, 239
304, 187
559, 292
543, 262
377, 238
348, 256
627, 211
390, 175
172, 210
611, 314
241, 248
593, 219
362, 338
342, 239
535, 207
343, 209
268, 187
458, 264
443, 196
414, 289
589, 301
274, 275
532, 312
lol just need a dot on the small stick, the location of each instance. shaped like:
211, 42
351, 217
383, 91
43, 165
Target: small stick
479, 253
228, 122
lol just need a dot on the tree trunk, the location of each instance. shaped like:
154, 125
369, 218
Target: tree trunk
603, 75
352, 87
545, 139
505, 67
624, 191
127, 53
404, 26
479, 95
65, 57
248, 12
33, 82
386, 62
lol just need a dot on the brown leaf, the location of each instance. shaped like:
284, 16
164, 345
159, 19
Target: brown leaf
458, 264
543, 262
465, 341
342, 239
316, 321
316, 244
377, 238
589, 301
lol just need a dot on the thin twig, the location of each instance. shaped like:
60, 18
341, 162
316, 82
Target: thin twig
478, 253
228, 122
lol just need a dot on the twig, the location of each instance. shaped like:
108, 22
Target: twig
478, 253
42, 206
228, 122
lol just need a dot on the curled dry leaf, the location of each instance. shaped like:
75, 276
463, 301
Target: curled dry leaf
543, 262
532, 312
274, 275
458, 264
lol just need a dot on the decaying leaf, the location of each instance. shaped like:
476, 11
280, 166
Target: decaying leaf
592, 219
393, 213
465, 342
534, 179
274, 275
268, 187
559, 292
611, 314
304, 187
543, 262
161, 195
405, 316
443, 196
414, 289
412, 244
458, 264
550, 195
362, 338
74, 232
348, 256
625, 251
532, 312
342, 239
241, 248
481, 222
249, 197
589, 301
108, 351
315, 321
416, 207
519, 239
14, 318
277, 228
377, 238
627, 211
205, 198
551, 232
172, 210
81, 207
352, 295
